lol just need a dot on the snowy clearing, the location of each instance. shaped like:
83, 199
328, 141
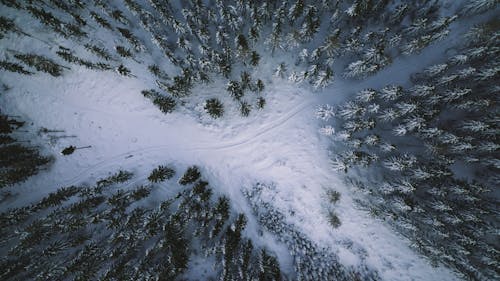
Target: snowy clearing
235, 88
280, 145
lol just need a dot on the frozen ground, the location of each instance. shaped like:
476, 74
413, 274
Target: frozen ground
277, 145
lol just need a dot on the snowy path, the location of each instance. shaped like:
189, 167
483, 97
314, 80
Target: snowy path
279, 145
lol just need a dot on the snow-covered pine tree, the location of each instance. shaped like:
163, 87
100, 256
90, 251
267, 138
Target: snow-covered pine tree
214, 107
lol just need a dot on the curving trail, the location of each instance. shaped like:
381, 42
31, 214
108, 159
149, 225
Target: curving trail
279, 145
148, 151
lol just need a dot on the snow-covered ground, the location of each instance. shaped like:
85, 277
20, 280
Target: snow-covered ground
279, 145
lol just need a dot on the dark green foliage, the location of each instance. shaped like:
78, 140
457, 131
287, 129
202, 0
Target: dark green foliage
305, 252
254, 58
333, 219
14, 67
261, 102
120, 177
221, 214
191, 175
56, 198
241, 43
4, 139
235, 90
140, 193
118, 15
68, 150
174, 237
18, 161
6, 25
260, 86
214, 107
40, 63
100, 20
130, 37
333, 196
101, 52
165, 103
246, 80
245, 108
161, 173
269, 267
11, 3
67, 55
123, 70
88, 233
47, 18
182, 84
9, 125
74, 30
424, 155
155, 69
149, 93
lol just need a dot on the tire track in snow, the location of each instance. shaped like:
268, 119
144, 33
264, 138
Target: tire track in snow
281, 122
157, 149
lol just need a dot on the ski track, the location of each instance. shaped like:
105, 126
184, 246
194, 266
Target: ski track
295, 160
280, 145
144, 152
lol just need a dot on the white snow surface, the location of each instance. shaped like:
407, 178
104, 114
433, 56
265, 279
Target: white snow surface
279, 145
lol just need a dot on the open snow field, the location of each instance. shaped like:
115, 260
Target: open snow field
280, 145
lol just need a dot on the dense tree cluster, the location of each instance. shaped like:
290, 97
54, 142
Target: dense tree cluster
203, 39
424, 154
19, 160
427, 156
310, 261
108, 231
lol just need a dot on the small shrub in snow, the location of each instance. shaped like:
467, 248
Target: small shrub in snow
214, 107
333, 219
245, 108
123, 70
155, 69
261, 102
121, 176
254, 58
161, 173
259, 85
191, 175
164, 103
124, 52
333, 196
235, 90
